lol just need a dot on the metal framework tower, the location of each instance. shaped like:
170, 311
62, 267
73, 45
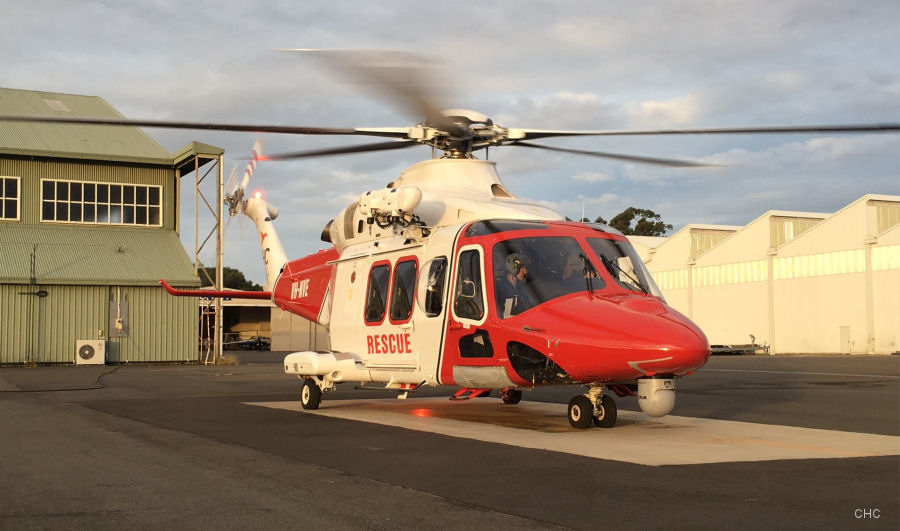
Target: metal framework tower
192, 160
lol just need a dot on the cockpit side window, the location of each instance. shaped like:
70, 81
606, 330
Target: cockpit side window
468, 299
430, 293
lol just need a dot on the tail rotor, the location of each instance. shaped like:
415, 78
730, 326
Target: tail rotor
234, 197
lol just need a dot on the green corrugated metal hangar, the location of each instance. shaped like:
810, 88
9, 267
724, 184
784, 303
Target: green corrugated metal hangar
88, 226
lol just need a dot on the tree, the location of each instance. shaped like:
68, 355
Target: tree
648, 222
231, 278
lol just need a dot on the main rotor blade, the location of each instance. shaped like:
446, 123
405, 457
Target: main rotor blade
531, 134
408, 79
619, 156
166, 124
379, 146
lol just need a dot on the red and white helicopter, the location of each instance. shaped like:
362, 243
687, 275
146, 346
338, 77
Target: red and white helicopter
446, 277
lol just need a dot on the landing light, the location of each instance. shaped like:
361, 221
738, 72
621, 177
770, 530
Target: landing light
257, 195
421, 412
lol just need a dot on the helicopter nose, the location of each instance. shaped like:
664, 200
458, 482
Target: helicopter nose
679, 346
686, 344
625, 338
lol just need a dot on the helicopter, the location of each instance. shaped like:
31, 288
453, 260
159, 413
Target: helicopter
447, 277
417, 290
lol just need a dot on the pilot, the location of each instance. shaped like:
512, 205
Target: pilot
576, 271
574, 267
513, 294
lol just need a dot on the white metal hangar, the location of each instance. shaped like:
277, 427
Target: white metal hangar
88, 226
794, 282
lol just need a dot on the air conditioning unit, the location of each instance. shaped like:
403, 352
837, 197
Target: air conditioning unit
90, 352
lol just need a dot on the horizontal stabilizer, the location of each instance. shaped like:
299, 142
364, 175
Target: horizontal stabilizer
212, 294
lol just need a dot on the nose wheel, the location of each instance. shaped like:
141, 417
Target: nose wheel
592, 408
511, 395
606, 414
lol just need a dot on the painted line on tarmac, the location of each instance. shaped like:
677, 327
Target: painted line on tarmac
637, 438
806, 373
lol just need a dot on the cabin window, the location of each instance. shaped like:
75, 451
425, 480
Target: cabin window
430, 294
468, 302
9, 198
101, 203
376, 295
403, 291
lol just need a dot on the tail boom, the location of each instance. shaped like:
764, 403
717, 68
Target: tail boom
304, 287
273, 253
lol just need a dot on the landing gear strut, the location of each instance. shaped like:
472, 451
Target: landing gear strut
594, 408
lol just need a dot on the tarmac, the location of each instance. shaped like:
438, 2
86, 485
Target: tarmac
798, 442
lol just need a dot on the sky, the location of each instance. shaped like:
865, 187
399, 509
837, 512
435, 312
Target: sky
530, 64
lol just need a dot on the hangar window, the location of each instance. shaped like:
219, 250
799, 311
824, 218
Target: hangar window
9, 198
102, 203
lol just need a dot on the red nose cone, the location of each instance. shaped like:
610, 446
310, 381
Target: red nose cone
687, 344
617, 338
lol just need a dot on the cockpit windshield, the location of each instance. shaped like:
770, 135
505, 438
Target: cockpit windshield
624, 266
531, 271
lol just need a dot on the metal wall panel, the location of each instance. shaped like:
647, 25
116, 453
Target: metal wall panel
784, 229
14, 312
163, 328
36, 329
887, 214
66, 314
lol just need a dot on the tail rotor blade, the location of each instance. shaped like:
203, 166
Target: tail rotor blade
251, 164
232, 181
235, 199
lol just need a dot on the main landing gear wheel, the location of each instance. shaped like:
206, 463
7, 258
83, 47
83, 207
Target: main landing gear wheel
606, 414
510, 396
310, 394
581, 411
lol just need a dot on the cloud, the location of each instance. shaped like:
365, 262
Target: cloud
592, 177
675, 112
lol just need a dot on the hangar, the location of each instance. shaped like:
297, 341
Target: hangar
792, 282
88, 225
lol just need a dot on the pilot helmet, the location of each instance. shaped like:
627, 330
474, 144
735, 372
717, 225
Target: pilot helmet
515, 262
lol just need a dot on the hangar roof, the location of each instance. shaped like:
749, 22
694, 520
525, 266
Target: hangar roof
94, 142
100, 256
